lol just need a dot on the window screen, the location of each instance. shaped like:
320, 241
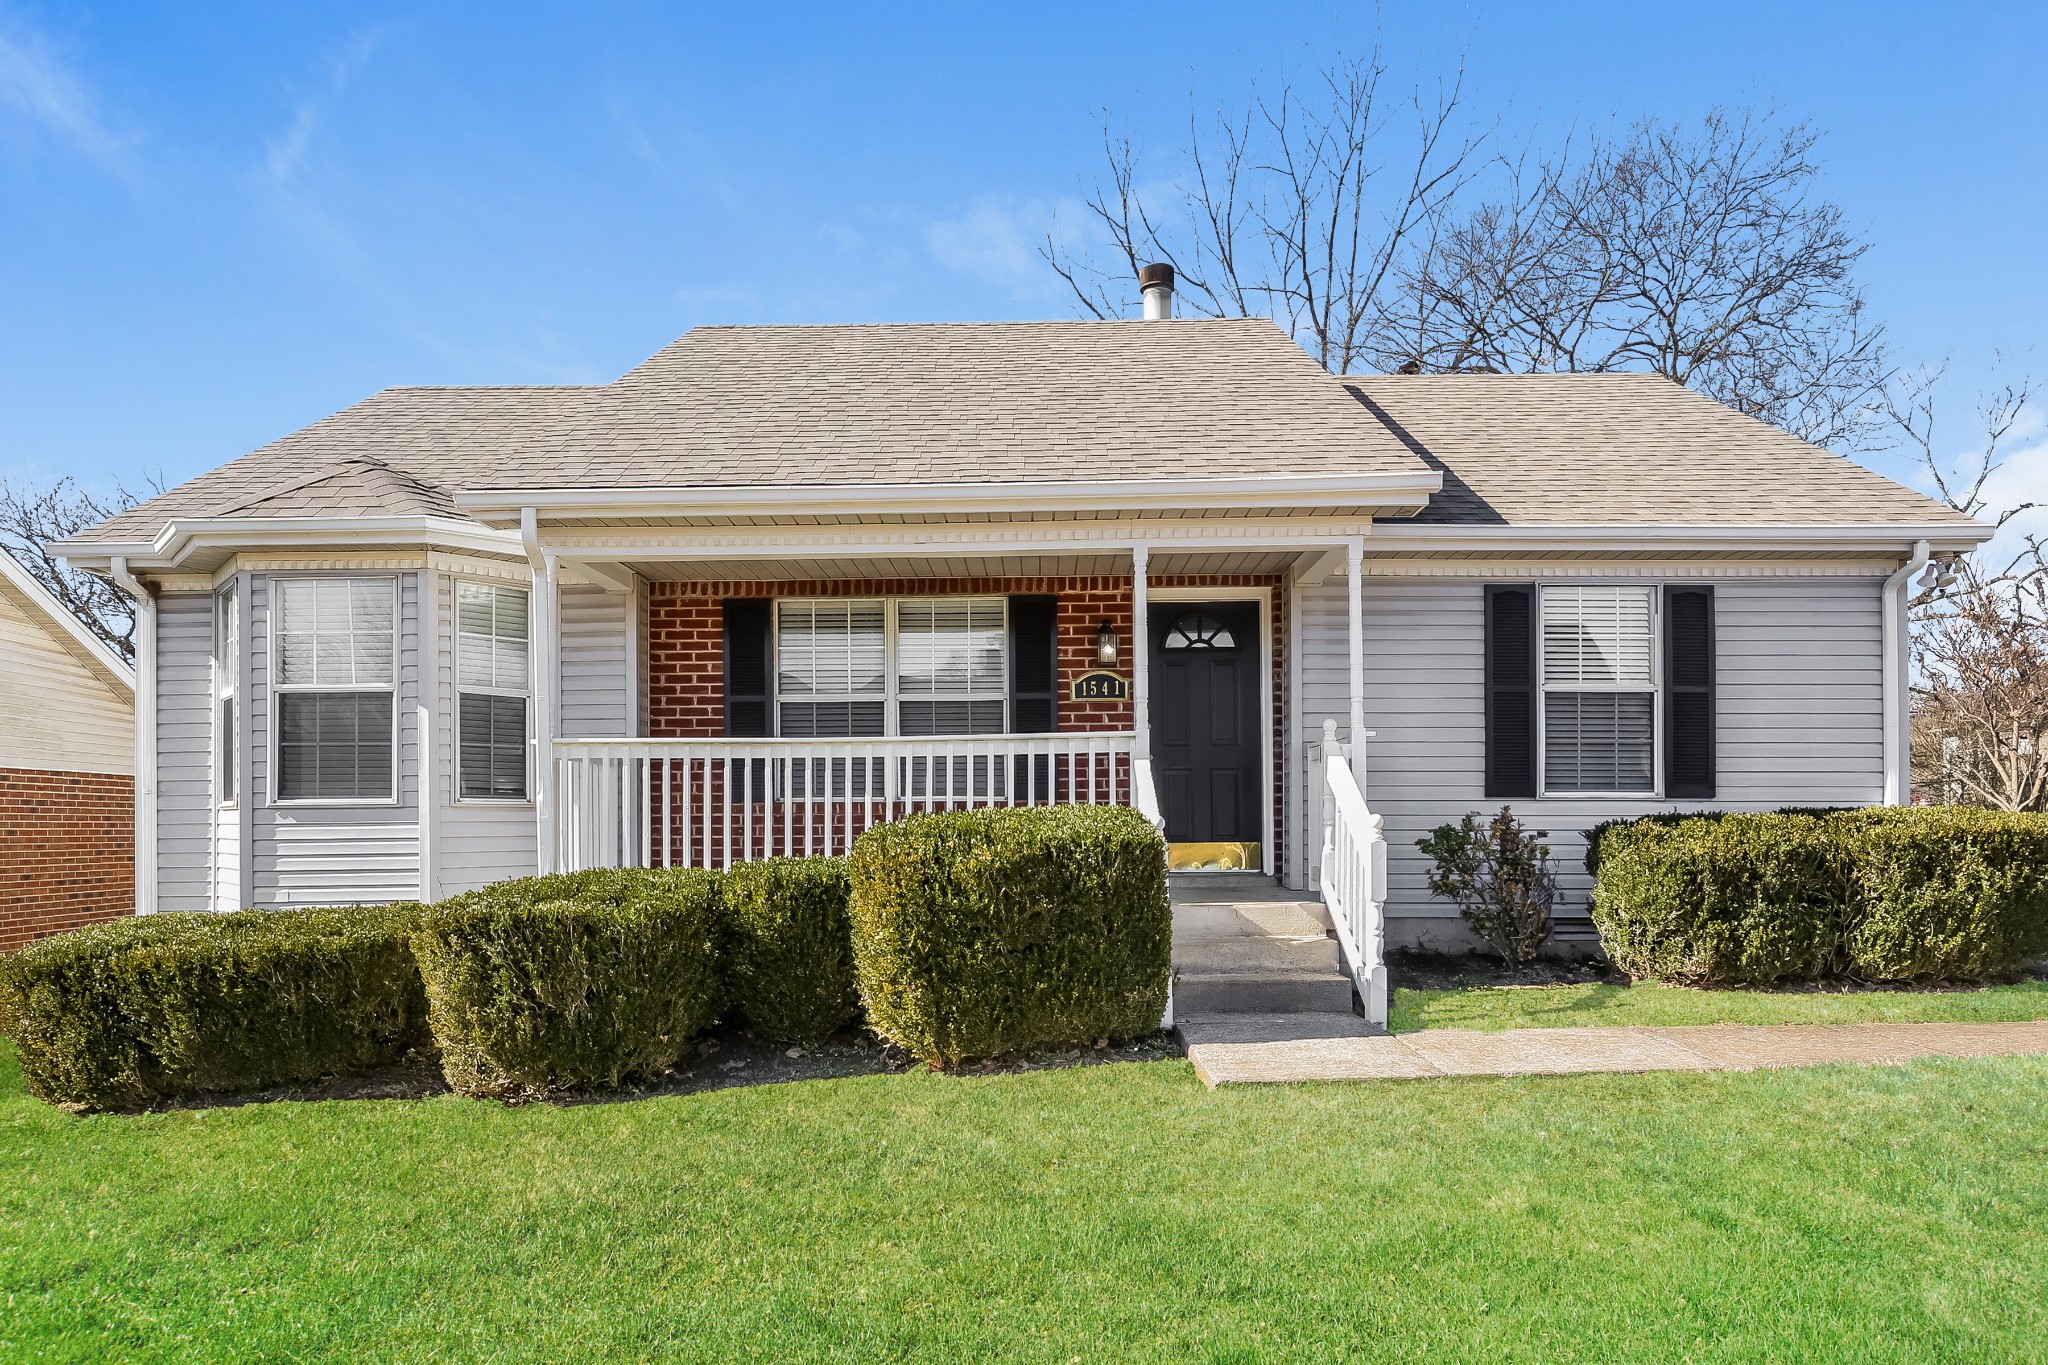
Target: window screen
831, 674
492, 680
1599, 688
336, 649
951, 666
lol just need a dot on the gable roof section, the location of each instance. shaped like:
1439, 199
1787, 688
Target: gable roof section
1527, 450
912, 405
67, 630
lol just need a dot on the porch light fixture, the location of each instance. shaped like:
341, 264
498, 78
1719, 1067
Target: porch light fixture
1105, 644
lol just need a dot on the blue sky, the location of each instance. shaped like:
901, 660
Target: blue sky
219, 223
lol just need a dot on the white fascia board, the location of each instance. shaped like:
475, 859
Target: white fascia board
1294, 491
1413, 539
41, 597
180, 539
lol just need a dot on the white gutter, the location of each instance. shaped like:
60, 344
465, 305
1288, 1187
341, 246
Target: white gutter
1897, 656
1292, 491
145, 734
1410, 538
180, 538
545, 669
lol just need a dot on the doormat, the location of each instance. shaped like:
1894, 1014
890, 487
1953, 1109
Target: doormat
1214, 857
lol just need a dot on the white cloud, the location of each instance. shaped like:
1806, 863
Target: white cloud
284, 156
45, 97
997, 240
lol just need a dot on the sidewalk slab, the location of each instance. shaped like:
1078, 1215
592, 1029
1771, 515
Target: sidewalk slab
1550, 1051
1575, 1051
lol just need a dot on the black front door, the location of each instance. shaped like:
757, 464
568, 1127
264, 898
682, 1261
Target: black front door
1205, 721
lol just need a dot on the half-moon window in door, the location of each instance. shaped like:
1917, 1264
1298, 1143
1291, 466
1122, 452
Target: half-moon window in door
1198, 631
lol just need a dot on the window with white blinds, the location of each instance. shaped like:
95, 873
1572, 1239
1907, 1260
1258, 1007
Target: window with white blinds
865, 668
492, 682
831, 668
1599, 685
335, 682
951, 674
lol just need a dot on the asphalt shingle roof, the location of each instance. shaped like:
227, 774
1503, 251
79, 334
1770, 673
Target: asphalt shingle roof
946, 403
986, 403
1622, 450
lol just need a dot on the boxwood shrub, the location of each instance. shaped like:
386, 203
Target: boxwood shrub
579, 980
1940, 893
1946, 893
979, 933
789, 948
1754, 899
142, 1010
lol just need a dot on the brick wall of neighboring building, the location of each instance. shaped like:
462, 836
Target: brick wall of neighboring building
67, 851
686, 644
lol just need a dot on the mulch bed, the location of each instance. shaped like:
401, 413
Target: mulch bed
727, 1058
1412, 969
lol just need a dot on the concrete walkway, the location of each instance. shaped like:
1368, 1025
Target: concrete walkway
1571, 1051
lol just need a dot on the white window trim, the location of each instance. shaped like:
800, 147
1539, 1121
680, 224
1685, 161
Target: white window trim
273, 657
1655, 689
458, 690
227, 684
889, 696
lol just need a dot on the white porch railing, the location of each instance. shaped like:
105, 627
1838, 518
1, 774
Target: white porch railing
716, 802
1353, 875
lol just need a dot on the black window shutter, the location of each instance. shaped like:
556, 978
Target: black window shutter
1510, 690
1034, 665
748, 655
1689, 692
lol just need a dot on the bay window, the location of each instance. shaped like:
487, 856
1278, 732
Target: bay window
493, 684
335, 686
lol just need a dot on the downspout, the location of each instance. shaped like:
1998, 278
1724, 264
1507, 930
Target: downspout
545, 667
145, 733
1898, 774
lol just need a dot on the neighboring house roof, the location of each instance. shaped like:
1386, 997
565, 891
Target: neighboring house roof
979, 405
39, 604
1622, 450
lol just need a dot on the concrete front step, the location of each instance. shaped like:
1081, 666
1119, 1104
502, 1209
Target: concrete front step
1316, 956
1250, 919
1288, 991
1196, 1030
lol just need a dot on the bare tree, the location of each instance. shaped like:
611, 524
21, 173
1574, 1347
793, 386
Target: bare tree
1302, 207
31, 518
1701, 254
1980, 628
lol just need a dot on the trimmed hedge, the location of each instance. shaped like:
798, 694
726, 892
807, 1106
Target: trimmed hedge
979, 933
142, 1010
1597, 834
789, 947
1941, 893
585, 979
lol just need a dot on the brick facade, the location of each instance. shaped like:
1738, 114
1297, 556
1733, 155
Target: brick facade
67, 851
686, 644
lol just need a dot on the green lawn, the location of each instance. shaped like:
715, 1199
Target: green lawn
1112, 1213
1499, 1007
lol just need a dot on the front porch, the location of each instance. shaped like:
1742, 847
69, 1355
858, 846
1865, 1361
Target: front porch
779, 707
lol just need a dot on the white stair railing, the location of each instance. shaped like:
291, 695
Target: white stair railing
1354, 877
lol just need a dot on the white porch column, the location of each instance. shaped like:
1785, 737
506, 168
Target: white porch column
546, 670
1354, 588
1141, 655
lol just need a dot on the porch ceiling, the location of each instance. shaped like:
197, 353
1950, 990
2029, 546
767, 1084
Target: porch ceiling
763, 570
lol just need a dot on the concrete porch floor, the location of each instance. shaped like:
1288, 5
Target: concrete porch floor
1255, 963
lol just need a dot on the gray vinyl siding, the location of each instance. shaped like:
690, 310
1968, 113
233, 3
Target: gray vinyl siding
305, 853
184, 751
1798, 716
598, 697
475, 842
